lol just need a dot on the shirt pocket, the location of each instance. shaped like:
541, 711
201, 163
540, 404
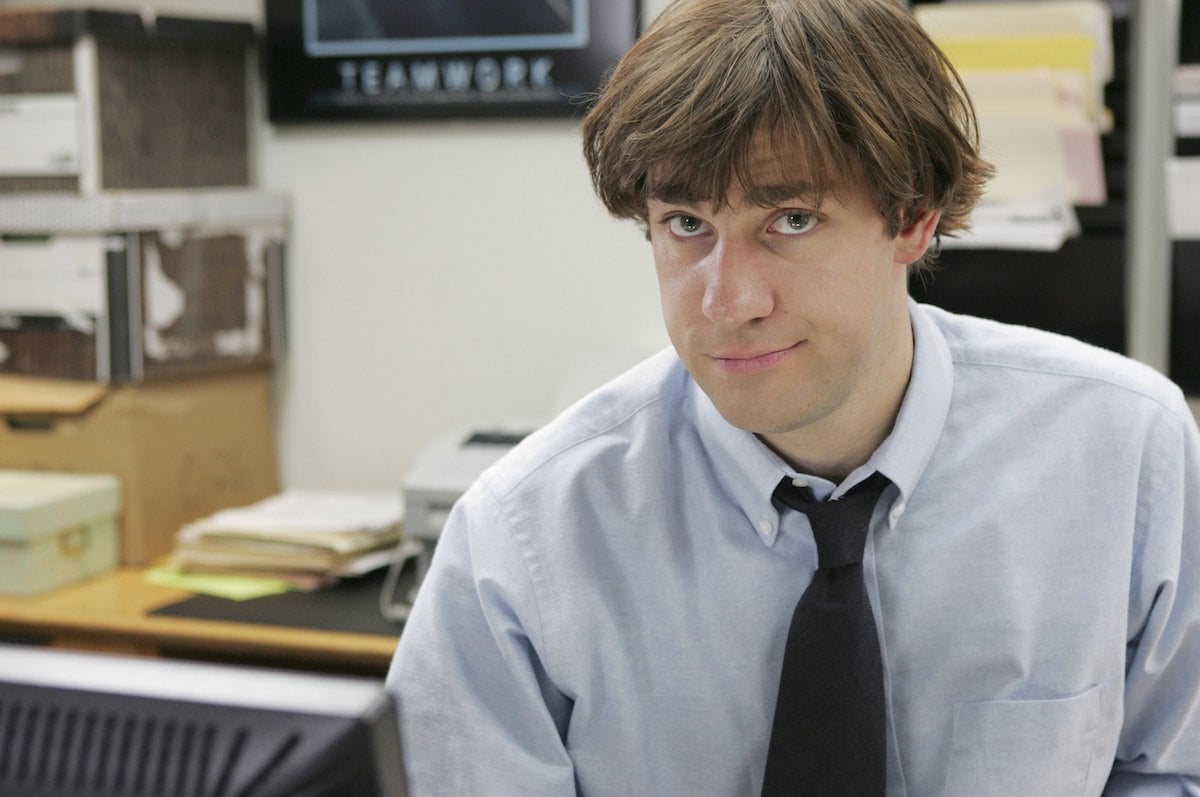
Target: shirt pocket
1034, 748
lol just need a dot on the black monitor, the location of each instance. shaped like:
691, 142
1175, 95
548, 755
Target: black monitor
89, 724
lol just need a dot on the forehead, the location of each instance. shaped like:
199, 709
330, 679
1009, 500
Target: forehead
773, 169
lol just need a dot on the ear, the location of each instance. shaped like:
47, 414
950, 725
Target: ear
913, 240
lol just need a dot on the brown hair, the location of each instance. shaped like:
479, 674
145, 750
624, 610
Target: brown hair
856, 86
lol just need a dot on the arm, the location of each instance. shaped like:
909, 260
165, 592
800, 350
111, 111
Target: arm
477, 710
1159, 749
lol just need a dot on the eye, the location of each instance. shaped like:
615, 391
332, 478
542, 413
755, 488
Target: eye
686, 226
794, 223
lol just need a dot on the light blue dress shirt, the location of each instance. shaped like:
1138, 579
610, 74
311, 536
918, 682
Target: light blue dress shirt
608, 605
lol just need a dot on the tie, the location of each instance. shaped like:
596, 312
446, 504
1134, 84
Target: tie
829, 733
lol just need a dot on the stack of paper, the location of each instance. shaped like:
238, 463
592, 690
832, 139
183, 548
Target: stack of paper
1036, 71
1183, 198
308, 537
1041, 223
1187, 101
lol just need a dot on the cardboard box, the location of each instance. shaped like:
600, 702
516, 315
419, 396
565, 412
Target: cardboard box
141, 285
100, 100
182, 448
56, 528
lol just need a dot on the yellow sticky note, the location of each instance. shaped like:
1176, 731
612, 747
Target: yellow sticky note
238, 588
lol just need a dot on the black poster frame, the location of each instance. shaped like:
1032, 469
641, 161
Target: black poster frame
365, 59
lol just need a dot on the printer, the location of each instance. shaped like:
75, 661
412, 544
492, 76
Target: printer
443, 471
440, 474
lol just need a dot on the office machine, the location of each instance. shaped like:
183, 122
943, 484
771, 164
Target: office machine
75, 723
441, 473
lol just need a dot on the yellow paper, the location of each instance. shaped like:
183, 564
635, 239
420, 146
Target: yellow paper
1065, 52
1056, 51
238, 588
1090, 18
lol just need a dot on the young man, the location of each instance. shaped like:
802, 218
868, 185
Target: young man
609, 606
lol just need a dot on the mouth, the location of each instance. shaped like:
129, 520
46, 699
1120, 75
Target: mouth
753, 361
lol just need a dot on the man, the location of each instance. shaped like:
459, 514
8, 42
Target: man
609, 606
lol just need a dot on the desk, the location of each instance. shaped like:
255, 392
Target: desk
110, 613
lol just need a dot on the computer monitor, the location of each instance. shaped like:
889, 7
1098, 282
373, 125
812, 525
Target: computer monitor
90, 724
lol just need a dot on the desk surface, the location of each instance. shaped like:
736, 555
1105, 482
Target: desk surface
110, 612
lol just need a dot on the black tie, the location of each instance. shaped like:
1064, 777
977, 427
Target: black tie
829, 734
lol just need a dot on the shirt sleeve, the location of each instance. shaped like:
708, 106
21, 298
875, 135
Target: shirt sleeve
478, 713
1159, 749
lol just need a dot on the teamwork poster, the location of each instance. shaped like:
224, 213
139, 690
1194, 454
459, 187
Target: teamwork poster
348, 59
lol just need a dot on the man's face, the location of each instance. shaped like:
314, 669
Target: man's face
791, 317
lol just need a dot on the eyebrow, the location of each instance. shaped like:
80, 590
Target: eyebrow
761, 195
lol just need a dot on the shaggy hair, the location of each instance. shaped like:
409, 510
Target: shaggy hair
854, 86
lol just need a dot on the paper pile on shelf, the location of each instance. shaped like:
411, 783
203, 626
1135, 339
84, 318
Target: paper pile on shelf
1042, 223
308, 537
1183, 198
1187, 101
1036, 71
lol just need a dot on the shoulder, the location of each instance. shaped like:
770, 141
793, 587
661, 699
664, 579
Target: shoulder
640, 405
1034, 358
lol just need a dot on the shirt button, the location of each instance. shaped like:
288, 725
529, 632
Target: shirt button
897, 512
766, 527
799, 482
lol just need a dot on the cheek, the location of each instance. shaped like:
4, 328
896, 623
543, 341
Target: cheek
864, 272
848, 292
677, 285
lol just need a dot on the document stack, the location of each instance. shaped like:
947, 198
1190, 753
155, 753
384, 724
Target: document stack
1036, 71
1183, 171
310, 538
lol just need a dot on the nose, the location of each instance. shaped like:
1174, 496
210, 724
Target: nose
737, 289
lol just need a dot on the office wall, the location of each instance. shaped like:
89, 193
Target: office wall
441, 275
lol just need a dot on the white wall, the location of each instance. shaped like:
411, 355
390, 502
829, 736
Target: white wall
443, 274
440, 275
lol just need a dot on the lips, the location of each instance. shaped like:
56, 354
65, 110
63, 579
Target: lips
753, 361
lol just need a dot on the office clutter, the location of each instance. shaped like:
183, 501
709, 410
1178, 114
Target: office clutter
131, 245
56, 528
141, 276
182, 448
1187, 101
1036, 72
308, 538
1183, 192
1183, 170
94, 100
1122, 283
441, 473
144, 285
1183, 206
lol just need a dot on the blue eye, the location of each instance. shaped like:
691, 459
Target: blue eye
685, 226
795, 223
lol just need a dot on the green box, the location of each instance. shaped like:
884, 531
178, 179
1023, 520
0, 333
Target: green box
56, 528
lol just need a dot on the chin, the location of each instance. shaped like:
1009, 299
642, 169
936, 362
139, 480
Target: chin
759, 420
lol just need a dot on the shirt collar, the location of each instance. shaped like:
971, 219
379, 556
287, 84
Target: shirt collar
750, 471
743, 465
905, 452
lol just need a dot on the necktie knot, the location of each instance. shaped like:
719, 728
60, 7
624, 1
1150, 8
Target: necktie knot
839, 526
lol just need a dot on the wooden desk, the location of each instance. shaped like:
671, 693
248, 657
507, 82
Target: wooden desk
110, 613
